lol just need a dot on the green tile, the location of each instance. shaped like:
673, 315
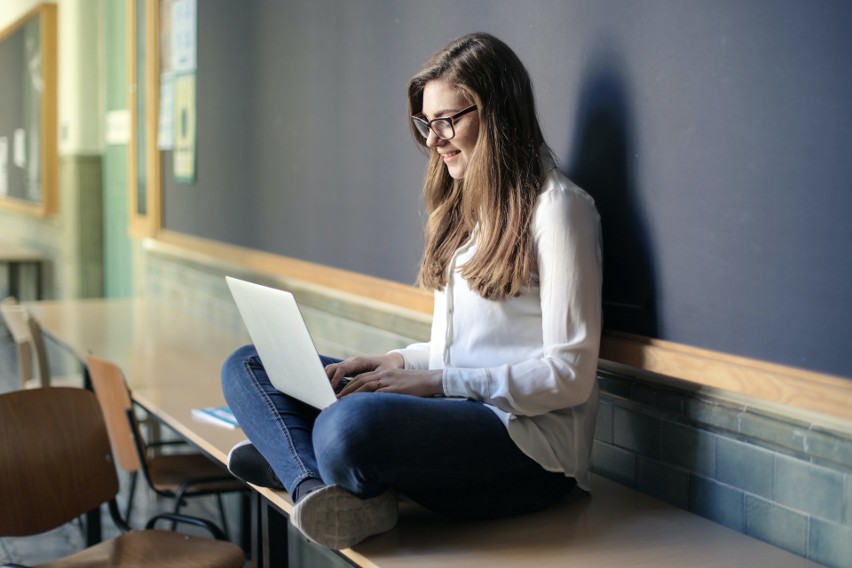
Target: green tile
847, 499
776, 525
603, 423
303, 552
661, 399
830, 544
614, 463
745, 466
713, 414
356, 336
614, 385
773, 431
809, 488
688, 448
663, 482
637, 432
717, 502
382, 316
829, 447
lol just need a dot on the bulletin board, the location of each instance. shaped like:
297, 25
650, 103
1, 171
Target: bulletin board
28, 110
713, 137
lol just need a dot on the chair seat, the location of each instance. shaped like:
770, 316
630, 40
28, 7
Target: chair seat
164, 549
170, 471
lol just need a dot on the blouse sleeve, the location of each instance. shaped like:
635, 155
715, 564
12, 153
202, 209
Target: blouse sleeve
566, 232
416, 356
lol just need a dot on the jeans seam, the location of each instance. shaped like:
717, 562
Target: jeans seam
304, 472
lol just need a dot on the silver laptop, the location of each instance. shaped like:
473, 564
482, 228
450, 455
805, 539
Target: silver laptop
279, 334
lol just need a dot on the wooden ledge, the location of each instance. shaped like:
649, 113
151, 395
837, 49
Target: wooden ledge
798, 388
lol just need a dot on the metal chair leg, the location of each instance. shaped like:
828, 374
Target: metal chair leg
178, 503
131, 495
225, 528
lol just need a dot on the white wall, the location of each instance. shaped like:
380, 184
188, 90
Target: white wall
11, 10
70, 239
81, 93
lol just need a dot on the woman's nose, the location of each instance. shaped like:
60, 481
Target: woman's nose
432, 140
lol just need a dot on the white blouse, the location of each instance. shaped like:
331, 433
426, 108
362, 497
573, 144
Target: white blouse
532, 358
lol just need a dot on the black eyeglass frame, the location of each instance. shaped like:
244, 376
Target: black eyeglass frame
451, 120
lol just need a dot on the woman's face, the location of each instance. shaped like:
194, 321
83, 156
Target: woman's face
441, 99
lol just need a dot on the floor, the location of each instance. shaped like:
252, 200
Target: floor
69, 538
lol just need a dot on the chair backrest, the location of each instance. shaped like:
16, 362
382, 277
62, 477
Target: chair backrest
15, 318
55, 459
39, 350
29, 341
115, 400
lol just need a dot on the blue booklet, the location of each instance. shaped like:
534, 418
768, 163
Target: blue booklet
219, 415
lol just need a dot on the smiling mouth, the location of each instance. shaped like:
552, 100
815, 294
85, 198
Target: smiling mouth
450, 155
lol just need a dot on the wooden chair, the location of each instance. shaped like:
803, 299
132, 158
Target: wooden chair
33, 361
56, 464
174, 475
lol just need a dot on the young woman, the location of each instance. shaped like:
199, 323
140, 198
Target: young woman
495, 414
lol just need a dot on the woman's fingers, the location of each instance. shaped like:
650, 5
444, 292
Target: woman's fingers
366, 382
416, 383
348, 368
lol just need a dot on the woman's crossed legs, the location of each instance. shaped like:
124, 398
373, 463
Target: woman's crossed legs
452, 456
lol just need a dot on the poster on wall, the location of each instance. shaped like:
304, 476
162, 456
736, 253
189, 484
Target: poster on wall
177, 129
183, 36
166, 126
185, 130
20, 156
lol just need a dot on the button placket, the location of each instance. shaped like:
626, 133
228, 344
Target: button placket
448, 338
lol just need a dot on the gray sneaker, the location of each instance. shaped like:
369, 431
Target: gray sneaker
334, 517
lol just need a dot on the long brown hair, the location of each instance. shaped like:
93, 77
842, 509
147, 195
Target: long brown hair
498, 194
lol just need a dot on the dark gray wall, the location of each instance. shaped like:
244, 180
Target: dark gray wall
714, 136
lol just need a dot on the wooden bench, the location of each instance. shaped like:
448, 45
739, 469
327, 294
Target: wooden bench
616, 526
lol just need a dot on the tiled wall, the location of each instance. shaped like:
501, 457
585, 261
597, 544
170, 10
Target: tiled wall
340, 324
80, 274
71, 240
779, 476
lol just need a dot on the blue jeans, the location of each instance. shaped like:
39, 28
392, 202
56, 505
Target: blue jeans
452, 456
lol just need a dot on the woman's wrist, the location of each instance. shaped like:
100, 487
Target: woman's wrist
438, 382
395, 360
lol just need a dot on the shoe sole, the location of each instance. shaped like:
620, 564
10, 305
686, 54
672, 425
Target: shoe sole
334, 517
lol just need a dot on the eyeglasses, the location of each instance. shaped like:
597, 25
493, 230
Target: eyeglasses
444, 127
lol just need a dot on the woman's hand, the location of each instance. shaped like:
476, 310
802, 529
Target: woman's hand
384, 374
402, 381
357, 365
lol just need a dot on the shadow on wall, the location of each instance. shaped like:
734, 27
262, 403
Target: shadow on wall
601, 164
